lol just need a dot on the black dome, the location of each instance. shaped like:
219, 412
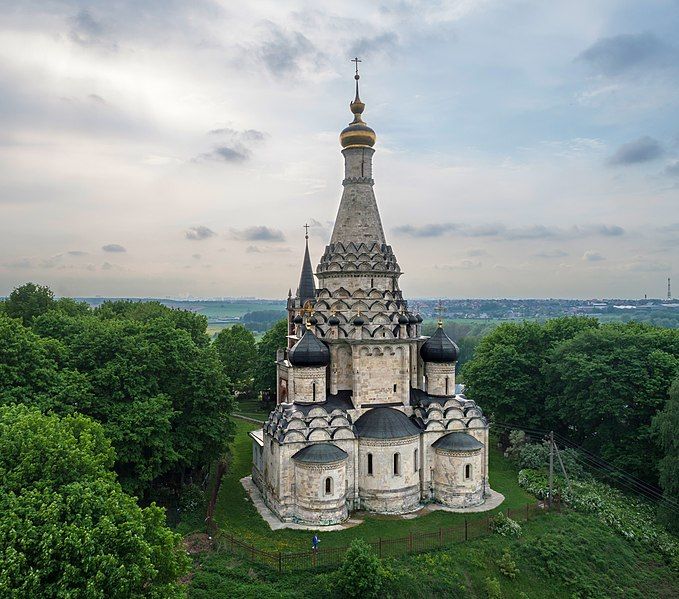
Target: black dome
333, 321
419, 318
358, 321
320, 453
439, 348
309, 351
385, 423
297, 319
313, 320
458, 442
403, 319
412, 318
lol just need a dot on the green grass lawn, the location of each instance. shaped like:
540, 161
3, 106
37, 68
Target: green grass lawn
235, 512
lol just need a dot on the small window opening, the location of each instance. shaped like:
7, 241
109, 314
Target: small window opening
313, 391
328, 486
370, 464
446, 385
468, 471
394, 387
415, 461
397, 464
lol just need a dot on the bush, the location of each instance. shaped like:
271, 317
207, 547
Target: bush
504, 526
362, 574
493, 590
633, 518
536, 457
507, 565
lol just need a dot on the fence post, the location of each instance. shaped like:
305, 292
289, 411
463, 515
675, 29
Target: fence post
380, 547
465, 529
280, 562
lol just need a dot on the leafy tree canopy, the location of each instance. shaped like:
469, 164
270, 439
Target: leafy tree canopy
666, 429
28, 301
265, 366
237, 350
67, 529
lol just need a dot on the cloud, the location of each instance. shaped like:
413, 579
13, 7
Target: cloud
502, 232
113, 247
87, 31
646, 266
77, 253
19, 263
370, 46
196, 256
591, 256
257, 249
284, 51
462, 265
235, 153
627, 52
245, 135
672, 169
199, 233
260, 233
551, 254
477, 252
643, 149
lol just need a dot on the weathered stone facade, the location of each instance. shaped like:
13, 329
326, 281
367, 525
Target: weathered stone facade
360, 384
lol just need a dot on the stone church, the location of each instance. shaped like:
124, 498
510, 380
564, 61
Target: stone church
367, 416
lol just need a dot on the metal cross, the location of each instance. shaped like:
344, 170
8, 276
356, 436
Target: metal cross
440, 309
356, 60
306, 230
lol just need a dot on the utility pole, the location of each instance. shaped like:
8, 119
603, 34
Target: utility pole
551, 467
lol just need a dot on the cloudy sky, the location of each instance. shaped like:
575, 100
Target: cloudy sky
172, 148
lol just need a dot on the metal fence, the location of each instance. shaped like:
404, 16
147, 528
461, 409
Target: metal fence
331, 557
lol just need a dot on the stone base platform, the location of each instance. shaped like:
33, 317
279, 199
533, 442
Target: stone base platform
273, 521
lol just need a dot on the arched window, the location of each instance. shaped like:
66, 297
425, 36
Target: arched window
328, 486
467, 471
313, 390
415, 462
370, 464
446, 385
397, 464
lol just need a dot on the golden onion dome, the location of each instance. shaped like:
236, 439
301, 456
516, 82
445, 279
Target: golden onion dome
357, 133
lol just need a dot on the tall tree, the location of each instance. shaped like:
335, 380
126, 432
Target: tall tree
265, 367
506, 376
66, 526
237, 350
28, 301
605, 385
666, 431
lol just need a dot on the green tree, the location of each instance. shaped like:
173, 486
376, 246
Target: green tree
163, 399
265, 365
362, 575
28, 301
666, 430
30, 371
605, 385
237, 350
506, 376
66, 526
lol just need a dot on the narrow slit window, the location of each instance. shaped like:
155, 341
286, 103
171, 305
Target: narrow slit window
328, 486
397, 464
370, 464
467, 471
313, 391
394, 387
415, 461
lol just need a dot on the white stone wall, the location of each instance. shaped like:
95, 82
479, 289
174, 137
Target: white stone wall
451, 487
381, 374
383, 491
304, 381
437, 375
312, 503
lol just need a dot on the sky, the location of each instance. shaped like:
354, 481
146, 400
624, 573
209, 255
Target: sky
176, 149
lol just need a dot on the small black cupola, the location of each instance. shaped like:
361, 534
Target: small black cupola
309, 351
439, 348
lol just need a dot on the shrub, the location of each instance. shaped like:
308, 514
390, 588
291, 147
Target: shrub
504, 526
517, 440
507, 565
493, 590
633, 518
362, 574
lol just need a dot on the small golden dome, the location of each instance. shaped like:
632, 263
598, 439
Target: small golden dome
357, 133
